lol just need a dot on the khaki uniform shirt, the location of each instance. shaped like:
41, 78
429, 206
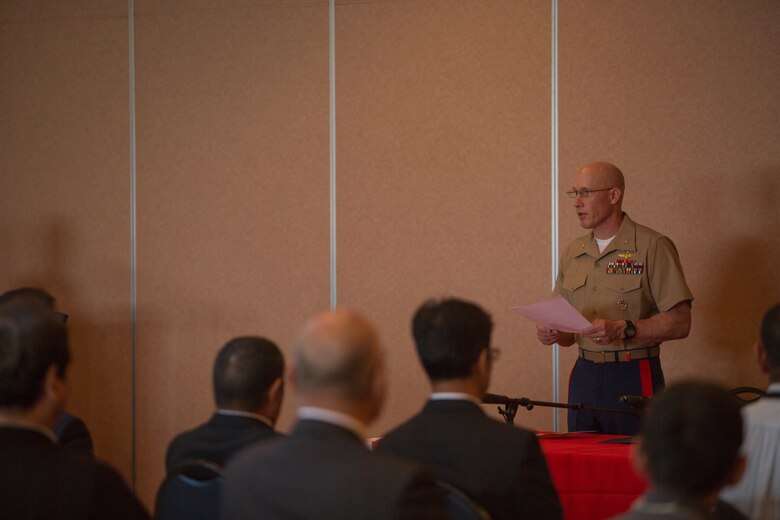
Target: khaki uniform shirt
637, 276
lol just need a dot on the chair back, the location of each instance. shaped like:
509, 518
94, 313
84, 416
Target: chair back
460, 506
191, 491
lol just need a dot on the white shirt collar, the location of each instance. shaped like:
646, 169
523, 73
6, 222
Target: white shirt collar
242, 413
28, 425
333, 417
454, 396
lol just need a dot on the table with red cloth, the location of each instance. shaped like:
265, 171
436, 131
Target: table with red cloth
595, 480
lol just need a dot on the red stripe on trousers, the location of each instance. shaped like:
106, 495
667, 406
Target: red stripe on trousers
646, 377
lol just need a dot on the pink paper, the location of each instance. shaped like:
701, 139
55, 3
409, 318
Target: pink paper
556, 314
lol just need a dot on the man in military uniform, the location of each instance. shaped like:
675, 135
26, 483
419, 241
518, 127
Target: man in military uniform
627, 280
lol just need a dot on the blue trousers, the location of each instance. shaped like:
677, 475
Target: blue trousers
601, 384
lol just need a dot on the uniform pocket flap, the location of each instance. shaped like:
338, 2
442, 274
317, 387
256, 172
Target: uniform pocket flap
575, 280
624, 283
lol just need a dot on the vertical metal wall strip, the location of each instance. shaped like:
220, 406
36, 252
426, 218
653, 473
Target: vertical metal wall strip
133, 243
554, 197
332, 85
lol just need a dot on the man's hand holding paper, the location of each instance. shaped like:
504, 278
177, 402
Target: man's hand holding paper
556, 320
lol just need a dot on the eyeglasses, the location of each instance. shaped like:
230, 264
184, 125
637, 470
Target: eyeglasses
495, 353
585, 192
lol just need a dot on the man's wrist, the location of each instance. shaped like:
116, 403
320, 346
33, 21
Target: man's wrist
628, 331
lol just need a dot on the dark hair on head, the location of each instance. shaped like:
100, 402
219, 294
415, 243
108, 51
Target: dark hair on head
691, 437
770, 335
28, 293
244, 370
450, 334
32, 339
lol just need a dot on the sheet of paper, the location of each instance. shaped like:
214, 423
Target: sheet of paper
556, 314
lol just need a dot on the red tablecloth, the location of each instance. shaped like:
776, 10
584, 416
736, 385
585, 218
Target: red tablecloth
593, 479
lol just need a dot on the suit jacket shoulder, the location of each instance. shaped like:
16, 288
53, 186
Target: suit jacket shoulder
41, 480
217, 440
324, 471
500, 466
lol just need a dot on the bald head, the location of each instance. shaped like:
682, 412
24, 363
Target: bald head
338, 355
604, 173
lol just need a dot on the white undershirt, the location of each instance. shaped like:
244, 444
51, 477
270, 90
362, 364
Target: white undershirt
604, 243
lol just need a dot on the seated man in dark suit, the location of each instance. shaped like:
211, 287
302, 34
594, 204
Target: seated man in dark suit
499, 466
39, 479
689, 449
71, 431
324, 469
248, 390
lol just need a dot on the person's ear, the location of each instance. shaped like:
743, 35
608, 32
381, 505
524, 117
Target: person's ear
54, 388
276, 391
763, 362
272, 406
614, 195
483, 368
377, 388
483, 361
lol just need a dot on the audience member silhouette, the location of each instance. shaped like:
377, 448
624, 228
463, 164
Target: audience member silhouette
499, 466
689, 449
248, 381
324, 468
39, 479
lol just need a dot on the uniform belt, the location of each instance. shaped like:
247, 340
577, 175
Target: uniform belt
611, 356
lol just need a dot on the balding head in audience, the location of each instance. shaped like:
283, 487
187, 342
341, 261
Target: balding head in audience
339, 365
324, 469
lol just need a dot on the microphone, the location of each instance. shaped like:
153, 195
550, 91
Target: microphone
634, 401
495, 399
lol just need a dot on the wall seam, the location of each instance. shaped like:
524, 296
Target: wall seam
133, 242
554, 198
332, 145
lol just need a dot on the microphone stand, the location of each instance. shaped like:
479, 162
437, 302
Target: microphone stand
511, 405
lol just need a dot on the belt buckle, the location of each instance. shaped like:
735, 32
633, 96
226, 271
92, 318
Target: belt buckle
603, 358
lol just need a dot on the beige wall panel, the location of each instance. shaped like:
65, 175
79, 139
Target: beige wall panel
232, 114
443, 177
64, 178
683, 97
37, 11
